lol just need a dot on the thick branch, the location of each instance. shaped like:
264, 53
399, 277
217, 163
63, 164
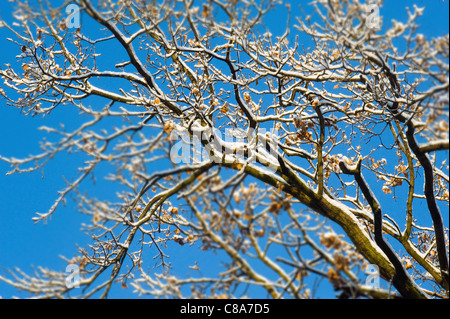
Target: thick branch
434, 146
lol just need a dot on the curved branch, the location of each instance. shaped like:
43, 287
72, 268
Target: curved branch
401, 280
431, 202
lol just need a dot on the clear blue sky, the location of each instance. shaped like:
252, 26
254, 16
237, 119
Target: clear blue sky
23, 243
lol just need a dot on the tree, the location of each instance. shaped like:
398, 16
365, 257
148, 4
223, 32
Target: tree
283, 153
